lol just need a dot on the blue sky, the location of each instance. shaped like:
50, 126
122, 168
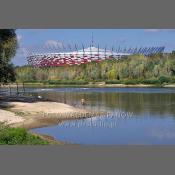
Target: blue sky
33, 39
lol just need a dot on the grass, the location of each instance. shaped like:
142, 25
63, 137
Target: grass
22, 114
18, 136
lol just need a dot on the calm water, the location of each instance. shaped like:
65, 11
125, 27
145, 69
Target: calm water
135, 115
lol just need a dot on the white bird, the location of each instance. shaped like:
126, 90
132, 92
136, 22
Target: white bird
39, 96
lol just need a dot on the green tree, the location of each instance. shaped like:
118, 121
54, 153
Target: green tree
8, 46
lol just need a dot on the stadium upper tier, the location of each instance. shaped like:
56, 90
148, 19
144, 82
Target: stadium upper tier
86, 55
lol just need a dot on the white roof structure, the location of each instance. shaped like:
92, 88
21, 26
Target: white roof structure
90, 51
86, 55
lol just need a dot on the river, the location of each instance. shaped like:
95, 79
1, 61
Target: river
135, 116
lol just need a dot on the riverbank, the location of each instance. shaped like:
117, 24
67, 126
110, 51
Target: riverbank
30, 112
90, 85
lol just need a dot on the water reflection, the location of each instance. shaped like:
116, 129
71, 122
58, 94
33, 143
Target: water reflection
111, 132
161, 104
149, 120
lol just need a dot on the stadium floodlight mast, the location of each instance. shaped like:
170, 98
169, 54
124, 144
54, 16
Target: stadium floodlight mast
76, 50
91, 51
112, 52
119, 49
116, 49
64, 50
105, 51
70, 50
92, 40
83, 50
98, 51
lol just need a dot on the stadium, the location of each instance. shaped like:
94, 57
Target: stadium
86, 55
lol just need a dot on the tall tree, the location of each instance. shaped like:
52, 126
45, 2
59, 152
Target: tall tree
8, 47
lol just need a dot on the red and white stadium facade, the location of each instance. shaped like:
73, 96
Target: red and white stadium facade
85, 56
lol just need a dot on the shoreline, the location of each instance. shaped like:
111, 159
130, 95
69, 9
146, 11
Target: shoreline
96, 84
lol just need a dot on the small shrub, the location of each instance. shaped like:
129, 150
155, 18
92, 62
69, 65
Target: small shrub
150, 81
18, 136
131, 82
163, 79
113, 82
172, 80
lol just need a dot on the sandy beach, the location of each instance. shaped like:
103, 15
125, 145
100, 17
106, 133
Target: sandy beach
33, 113
10, 117
40, 107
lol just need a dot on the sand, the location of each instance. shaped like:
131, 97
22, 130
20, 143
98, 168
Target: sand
10, 117
41, 113
170, 85
43, 107
30, 112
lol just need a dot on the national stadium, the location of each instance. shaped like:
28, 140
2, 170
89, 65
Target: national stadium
85, 55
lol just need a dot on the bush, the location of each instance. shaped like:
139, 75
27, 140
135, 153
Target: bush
113, 82
172, 80
163, 79
150, 81
18, 136
132, 82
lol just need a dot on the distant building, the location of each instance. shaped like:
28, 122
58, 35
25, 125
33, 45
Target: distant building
86, 55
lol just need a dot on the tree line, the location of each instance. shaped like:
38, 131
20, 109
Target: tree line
157, 68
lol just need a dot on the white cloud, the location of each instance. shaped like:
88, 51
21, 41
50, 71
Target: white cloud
20, 57
53, 43
159, 30
19, 37
22, 52
153, 30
